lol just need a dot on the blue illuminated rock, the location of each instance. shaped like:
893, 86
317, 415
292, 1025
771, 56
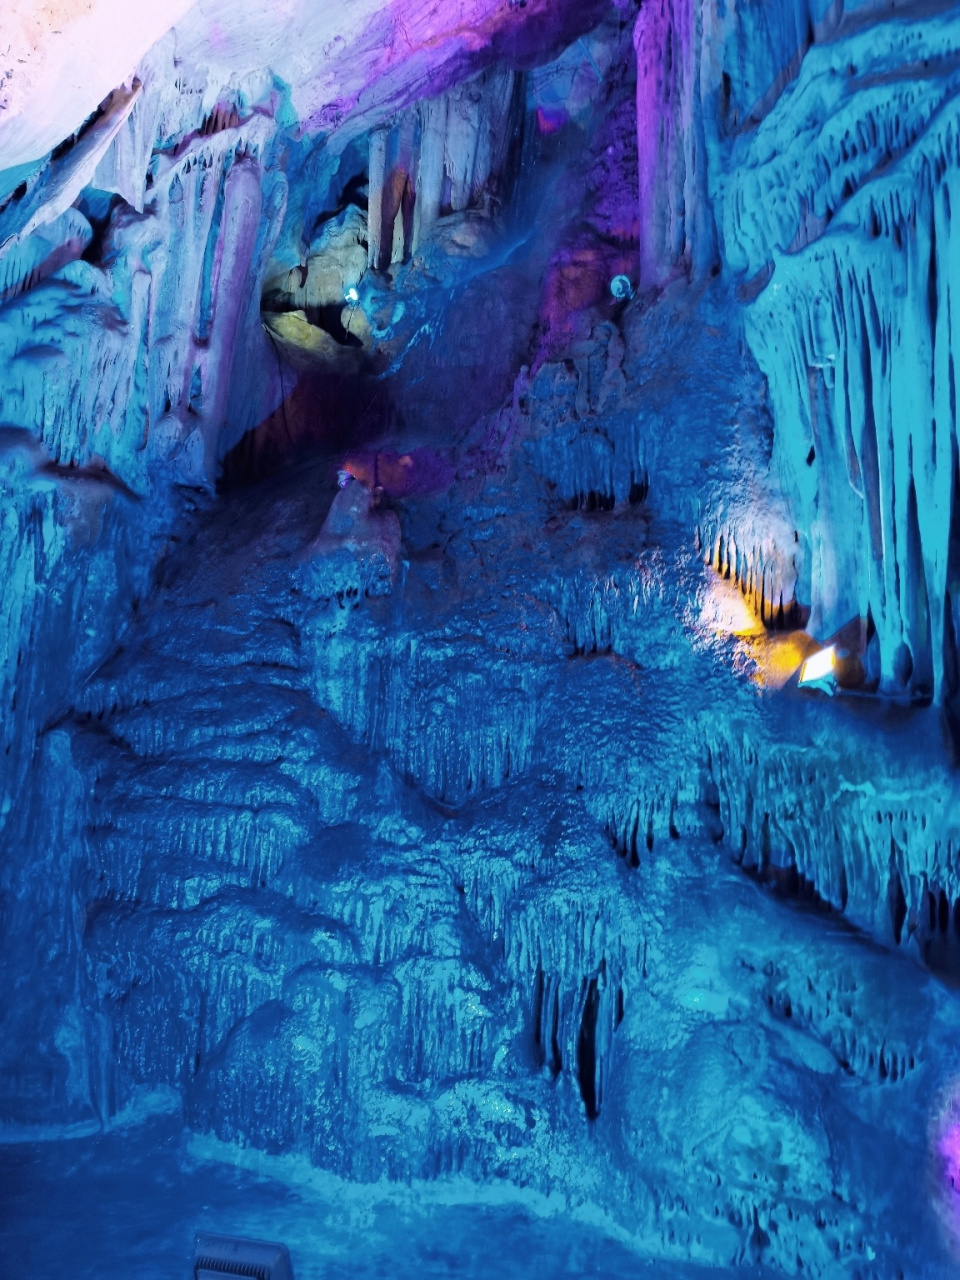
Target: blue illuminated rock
405, 790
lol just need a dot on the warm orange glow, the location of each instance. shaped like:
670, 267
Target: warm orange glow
768, 658
725, 611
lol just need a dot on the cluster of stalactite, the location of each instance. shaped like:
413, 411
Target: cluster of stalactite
859, 342
444, 155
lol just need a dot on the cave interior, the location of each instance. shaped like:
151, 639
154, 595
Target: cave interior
480, 637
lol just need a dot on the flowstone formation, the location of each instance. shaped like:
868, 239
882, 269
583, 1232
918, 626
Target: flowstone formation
432, 439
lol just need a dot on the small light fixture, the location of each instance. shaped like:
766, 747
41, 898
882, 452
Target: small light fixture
352, 296
233, 1258
818, 670
621, 287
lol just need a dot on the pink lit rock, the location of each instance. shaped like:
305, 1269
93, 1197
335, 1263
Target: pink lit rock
401, 475
358, 549
360, 61
61, 59
675, 218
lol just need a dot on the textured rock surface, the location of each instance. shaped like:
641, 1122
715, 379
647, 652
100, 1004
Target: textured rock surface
380, 823
862, 266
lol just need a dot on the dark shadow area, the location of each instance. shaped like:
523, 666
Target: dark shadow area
324, 414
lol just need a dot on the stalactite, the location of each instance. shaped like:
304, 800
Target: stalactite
445, 155
876, 488
676, 222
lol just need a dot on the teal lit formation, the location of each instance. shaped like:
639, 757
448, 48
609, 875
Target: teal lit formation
451, 457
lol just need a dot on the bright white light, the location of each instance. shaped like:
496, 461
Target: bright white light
819, 666
351, 295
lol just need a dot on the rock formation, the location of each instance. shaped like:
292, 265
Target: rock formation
432, 439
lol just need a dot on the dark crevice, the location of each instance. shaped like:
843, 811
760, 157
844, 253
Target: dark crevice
555, 1060
587, 1051
592, 500
355, 192
538, 1017
328, 318
100, 225
639, 490
898, 907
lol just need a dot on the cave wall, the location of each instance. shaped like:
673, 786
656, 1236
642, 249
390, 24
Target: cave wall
811, 155
133, 257
854, 331
705, 71
134, 254
267, 874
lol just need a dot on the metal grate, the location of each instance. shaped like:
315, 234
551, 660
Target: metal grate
210, 1267
233, 1258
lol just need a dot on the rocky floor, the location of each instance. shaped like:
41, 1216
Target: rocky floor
132, 1202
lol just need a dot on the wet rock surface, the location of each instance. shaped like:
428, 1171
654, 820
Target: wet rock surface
424, 838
